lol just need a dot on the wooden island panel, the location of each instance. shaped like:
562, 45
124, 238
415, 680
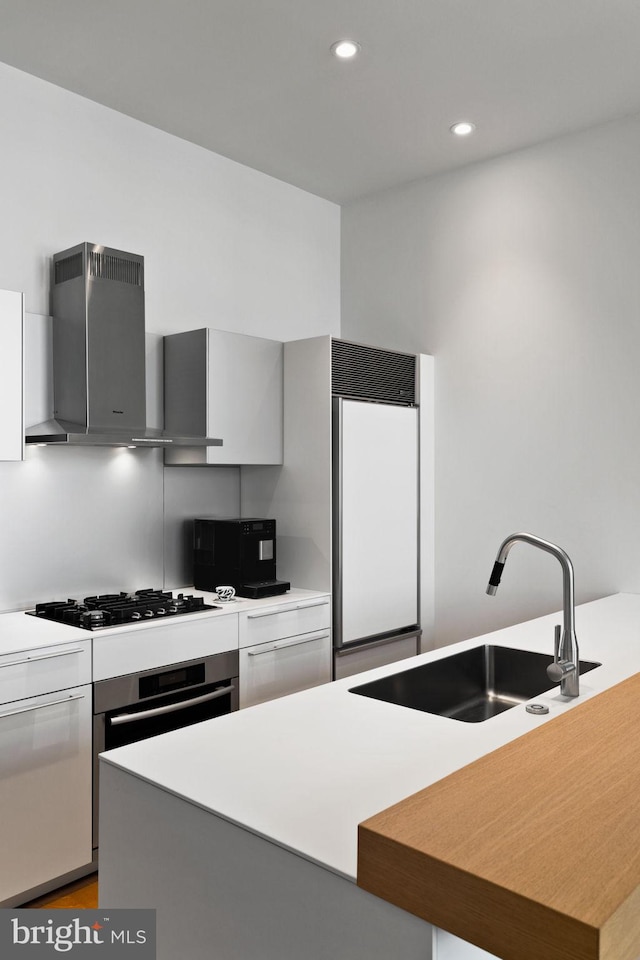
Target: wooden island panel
532, 851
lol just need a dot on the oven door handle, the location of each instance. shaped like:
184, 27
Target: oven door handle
169, 708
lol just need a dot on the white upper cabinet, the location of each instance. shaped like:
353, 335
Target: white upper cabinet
225, 385
11, 352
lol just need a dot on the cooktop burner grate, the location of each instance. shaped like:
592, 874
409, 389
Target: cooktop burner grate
112, 609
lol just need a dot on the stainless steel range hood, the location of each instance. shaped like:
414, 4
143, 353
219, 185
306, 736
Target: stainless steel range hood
99, 354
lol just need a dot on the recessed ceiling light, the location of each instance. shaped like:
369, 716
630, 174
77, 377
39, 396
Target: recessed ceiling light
463, 128
345, 49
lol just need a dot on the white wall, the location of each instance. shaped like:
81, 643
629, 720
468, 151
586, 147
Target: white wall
521, 276
224, 246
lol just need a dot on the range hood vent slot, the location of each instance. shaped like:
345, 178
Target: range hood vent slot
68, 269
105, 266
369, 373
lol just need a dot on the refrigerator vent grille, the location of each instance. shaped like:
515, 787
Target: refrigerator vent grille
107, 267
369, 373
69, 268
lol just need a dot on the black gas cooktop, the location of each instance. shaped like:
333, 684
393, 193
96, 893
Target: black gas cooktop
113, 609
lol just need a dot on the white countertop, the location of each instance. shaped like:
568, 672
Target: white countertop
304, 770
222, 608
20, 631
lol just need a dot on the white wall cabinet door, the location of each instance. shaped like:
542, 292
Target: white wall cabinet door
45, 789
225, 385
11, 354
270, 670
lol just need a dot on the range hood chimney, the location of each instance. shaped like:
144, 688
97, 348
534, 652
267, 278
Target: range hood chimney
99, 388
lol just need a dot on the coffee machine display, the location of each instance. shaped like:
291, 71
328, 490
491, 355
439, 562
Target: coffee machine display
239, 552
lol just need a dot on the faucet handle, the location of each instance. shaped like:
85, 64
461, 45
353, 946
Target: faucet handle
560, 669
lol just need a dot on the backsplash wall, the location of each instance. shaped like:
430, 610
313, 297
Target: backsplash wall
78, 521
75, 522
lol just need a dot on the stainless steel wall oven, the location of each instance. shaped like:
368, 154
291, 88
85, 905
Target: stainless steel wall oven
141, 705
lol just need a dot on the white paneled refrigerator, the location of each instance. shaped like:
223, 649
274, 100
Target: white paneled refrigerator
375, 534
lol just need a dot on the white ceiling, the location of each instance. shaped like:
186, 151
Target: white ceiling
254, 80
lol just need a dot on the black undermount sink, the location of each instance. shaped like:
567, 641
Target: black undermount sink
472, 686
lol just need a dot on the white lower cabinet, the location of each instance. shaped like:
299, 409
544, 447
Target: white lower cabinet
272, 670
283, 649
45, 776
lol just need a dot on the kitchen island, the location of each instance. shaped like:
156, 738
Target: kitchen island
242, 831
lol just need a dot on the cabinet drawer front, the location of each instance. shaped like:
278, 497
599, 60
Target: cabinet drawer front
29, 673
172, 641
277, 622
271, 670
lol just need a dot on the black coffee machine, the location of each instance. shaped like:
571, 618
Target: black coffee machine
239, 552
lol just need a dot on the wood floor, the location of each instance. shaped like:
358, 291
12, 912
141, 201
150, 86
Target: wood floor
76, 896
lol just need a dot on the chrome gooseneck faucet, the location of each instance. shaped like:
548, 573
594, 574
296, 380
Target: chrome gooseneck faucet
565, 668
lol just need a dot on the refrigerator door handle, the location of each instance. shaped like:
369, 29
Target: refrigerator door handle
336, 415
